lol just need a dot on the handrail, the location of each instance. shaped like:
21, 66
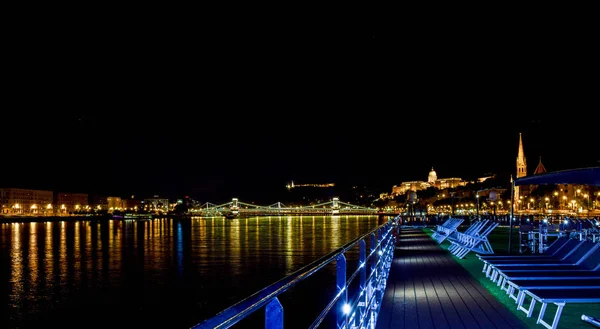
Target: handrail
591, 320
382, 250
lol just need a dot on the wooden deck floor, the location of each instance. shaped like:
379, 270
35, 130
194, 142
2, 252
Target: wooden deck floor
427, 288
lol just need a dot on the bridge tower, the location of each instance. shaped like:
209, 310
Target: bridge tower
335, 206
235, 208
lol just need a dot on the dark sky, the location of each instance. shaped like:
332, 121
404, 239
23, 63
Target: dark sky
176, 109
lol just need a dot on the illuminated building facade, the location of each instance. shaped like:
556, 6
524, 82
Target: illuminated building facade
70, 202
114, 203
26, 202
432, 176
131, 204
99, 202
444, 183
156, 204
291, 185
432, 181
409, 186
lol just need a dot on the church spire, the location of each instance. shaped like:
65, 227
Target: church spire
521, 161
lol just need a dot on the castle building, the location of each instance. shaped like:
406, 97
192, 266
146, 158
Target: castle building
432, 181
432, 176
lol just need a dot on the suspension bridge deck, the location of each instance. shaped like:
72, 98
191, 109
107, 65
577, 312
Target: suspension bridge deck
334, 207
427, 288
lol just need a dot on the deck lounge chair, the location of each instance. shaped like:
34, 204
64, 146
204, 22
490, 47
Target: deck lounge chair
549, 275
549, 252
563, 250
475, 242
520, 285
559, 297
448, 228
589, 263
573, 260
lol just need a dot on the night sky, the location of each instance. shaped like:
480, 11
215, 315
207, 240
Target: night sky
239, 113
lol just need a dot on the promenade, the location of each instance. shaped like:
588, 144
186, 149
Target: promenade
427, 289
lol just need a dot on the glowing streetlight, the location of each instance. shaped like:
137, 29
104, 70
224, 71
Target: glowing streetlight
477, 197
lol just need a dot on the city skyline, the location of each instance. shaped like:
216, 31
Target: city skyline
129, 163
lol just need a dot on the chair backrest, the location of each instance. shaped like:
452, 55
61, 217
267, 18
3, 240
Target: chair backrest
488, 229
577, 255
592, 261
567, 248
476, 227
555, 246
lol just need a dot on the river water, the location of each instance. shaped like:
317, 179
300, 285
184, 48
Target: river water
163, 273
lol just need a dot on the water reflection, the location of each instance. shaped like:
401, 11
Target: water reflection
156, 273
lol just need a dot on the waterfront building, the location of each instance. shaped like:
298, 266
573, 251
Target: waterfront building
99, 202
66, 203
26, 201
131, 203
114, 203
156, 204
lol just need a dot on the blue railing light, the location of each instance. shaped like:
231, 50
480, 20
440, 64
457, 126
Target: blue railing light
346, 308
380, 252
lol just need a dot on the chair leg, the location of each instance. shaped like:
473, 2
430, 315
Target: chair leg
528, 311
541, 321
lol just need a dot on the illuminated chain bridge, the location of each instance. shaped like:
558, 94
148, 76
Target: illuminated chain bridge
236, 207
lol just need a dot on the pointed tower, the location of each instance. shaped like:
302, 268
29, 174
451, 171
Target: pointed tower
540, 169
521, 168
521, 162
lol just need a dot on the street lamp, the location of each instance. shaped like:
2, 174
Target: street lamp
477, 197
532, 203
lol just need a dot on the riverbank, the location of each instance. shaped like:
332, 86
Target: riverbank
38, 219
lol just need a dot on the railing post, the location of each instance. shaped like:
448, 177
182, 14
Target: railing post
274, 315
372, 285
381, 270
342, 291
362, 285
372, 251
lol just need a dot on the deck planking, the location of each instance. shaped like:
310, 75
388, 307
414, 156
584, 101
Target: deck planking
428, 289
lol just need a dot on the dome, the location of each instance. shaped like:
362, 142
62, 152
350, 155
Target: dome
432, 176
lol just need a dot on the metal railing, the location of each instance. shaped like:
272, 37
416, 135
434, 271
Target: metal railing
357, 311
